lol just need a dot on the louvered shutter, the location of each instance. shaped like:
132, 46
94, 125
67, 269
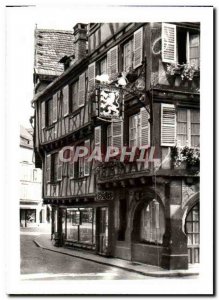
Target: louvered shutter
65, 92
168, 125
55, 107
43, 115
117, 134
112, 62
97, 136
71, 170
168, 43
86, 163
59, 168
81, 94
144, 127
138, 48
91, 76
48, 168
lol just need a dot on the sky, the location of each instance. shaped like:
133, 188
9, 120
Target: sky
20, 25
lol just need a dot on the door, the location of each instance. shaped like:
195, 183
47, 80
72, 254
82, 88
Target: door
192, 230
103, 231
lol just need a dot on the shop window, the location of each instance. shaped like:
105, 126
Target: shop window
81, 225
152, 223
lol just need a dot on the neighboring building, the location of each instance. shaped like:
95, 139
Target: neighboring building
148, 211
32, 210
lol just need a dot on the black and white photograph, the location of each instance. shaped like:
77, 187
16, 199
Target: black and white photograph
109, 150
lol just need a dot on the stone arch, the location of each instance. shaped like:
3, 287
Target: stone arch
192, 201
136, 206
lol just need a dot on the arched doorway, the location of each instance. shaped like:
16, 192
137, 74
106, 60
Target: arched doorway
192, 230
148, 231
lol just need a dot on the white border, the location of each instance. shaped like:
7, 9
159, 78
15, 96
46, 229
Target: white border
15, 67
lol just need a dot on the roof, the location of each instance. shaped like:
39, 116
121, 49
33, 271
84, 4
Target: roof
26, 137
50, 46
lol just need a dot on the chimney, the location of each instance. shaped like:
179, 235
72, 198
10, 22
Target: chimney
80, 40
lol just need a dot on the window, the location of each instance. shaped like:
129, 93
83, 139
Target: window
81, 225
134, 130
193, 234
53, 167
181, 127
81, 90
127, 55
139, 129
188, 128
49, 112
74, 96
180, 45
152, 223
112, 62
115, 134
65, 101
103, 66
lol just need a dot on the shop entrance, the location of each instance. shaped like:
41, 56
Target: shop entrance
103, 231
192, 230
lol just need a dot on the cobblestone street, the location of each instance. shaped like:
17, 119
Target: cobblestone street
37, 263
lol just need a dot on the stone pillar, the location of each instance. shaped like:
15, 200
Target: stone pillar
38, 209
175, 255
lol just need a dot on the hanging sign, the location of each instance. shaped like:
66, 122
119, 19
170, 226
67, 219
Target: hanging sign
109, 104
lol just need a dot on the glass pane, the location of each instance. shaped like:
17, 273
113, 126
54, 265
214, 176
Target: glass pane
195, 116
189, 227
196, 256
182, 128
182, 115
195, 141
189, 236
195, 129
196, 239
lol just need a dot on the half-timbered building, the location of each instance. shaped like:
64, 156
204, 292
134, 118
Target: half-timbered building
130, 86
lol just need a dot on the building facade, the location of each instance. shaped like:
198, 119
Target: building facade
130, 86
32, 210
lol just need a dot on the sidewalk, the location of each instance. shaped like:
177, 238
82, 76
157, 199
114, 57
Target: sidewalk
44, 242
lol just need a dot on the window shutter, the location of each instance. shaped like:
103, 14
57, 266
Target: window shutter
43, 115
91, 76
55, 107
81, 96
71, 169
168, 125
117, 134
168, 43
138, 48
86, 163
59, 169
97, 136
65, 92
112, 61
48, 168
144, 128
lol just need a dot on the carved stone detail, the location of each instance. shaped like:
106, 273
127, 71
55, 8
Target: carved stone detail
104, 196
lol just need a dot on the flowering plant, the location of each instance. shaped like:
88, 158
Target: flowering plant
188, 155
187, 71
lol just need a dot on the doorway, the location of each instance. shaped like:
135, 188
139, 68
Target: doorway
192, 230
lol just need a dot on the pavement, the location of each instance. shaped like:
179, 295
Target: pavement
43, 241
